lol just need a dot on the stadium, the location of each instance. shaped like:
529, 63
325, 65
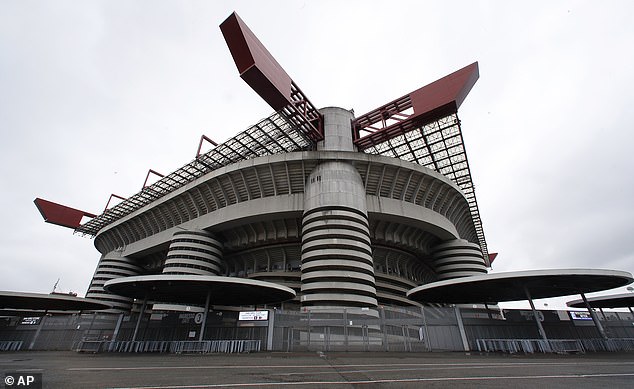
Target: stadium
347, 211
310, 211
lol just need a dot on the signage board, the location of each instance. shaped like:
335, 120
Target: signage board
580, 315
253, 315
30, 321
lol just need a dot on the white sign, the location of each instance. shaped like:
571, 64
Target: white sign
580, 315
253, 315
29, 321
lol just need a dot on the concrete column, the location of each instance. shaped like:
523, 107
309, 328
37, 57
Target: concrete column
540, 328
427, 340
463, 333
337, 266
117, 327
270, 328
138, 321
205, 313
594, 316
37, 332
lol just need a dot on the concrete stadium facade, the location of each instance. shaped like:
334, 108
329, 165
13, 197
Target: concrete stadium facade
342, 228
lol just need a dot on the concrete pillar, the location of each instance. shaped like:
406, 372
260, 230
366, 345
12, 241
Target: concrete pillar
337, 266
138, 320
37, 332
540, 328
594, 316
269, 331
463, 333
117, 327
205, 313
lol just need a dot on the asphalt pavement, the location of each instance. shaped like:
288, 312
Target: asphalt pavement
318, 370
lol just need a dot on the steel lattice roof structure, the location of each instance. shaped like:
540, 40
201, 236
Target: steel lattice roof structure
437, 145
273, 135
421, 127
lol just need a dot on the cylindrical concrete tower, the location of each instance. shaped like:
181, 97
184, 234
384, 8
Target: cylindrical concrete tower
193, 252
458, 258
112, 265
337, 267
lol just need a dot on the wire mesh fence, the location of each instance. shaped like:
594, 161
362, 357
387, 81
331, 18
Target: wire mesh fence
409, 329
400, 329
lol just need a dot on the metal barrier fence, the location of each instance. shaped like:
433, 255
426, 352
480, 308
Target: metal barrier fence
513, 346
178, 347
617, 344
10, 345
530, 346
216, 346
403, 329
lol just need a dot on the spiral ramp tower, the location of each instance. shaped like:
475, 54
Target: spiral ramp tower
112, 265
193, 252
458, 258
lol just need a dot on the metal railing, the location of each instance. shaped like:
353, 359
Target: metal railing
178, 347
216, 346
616, 344
513, 346
10, 345
530, 346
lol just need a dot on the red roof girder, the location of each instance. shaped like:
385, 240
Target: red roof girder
267, 78
60, 215
431, 102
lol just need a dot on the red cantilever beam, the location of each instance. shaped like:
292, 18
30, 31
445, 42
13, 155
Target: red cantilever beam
267, 78
60, 215
431, 102
256, 65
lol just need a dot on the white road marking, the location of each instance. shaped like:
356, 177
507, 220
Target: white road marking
385, 381
26, 370
427, 368
248, 367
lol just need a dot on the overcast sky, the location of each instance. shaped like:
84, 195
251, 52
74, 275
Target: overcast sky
95, 93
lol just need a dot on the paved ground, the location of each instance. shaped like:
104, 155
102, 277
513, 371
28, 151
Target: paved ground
315, 370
